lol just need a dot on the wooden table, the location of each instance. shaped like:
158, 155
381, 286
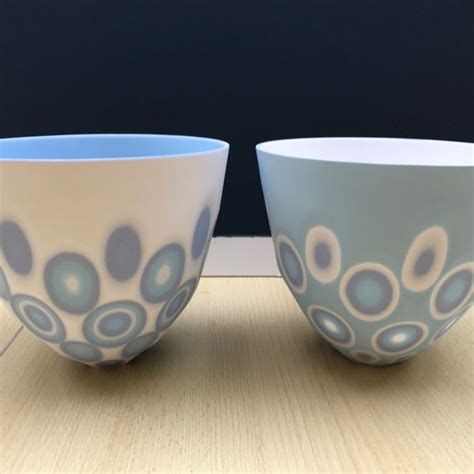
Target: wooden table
239, 383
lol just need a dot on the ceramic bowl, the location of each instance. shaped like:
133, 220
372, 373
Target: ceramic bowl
374, 238
103, 237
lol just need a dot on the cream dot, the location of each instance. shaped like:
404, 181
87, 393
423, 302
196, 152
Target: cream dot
72, 284
330, 326
399, 338
163, 274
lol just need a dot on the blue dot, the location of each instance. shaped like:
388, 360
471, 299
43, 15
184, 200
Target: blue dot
453, 291
331, 326
201, 233
4, 288
38, 318
115, 324
173, 308
291, 265
81, 351
370, 292
139, 344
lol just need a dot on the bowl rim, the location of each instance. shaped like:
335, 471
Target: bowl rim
283, 149
219, 147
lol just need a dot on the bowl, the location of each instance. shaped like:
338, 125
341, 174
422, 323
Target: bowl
374, 238
103, 237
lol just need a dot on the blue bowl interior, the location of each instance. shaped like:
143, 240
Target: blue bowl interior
89, 147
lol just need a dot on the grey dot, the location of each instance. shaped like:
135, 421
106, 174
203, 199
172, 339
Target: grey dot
201, 232
123, 253
424, 263
16, 248
322, 255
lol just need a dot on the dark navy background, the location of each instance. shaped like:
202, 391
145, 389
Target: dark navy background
244, 71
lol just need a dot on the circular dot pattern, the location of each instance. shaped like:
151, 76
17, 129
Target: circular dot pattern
162, 274
370, 291
72, 283
123, 253
425, 259
331, 326
15, 246
81, 351
323, 254
39, 318
172, 309
139, 344
290, 264
114, 324
398, 338
453, 291
201, 233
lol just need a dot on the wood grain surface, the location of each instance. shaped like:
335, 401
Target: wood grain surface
239, 383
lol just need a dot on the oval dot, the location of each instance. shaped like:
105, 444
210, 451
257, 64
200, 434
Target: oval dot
81, 351
453, 291
290, 264
323, 254
38, 317
424, 263
452, 321
114, 324
398, 338
15, 246
72, 283
5, 293
370, 291
123, 253
173, 308
163, 273
425, 259
201, 232
331, 326
365, 357
139, 344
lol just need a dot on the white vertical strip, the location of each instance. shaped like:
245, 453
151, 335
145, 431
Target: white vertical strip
241, 256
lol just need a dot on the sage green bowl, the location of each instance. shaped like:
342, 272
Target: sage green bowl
374, 238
